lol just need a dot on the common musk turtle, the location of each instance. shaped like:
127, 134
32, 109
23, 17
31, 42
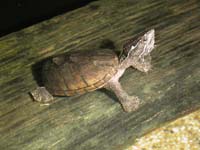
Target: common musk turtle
80, 72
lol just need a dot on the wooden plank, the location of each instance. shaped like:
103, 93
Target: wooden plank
95, 120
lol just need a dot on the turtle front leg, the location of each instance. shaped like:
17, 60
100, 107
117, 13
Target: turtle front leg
42, 95
129, 103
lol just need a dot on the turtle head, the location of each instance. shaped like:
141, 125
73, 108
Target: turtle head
137, 52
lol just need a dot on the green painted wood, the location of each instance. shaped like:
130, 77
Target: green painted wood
96, 120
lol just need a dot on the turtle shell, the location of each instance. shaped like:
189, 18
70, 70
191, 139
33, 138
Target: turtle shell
79, 72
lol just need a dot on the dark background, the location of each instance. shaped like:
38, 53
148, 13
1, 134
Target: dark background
18, 14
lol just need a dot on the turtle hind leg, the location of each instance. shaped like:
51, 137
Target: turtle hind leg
129, 103
41, 95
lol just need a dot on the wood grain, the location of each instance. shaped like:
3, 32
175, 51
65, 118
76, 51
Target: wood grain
96, 120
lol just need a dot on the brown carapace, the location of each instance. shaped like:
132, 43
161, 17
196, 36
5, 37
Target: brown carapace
76, 73
79, 72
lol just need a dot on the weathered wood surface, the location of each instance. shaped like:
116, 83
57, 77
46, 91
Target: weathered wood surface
95, 120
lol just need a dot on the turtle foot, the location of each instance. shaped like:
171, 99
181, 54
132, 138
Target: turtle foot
42, 95
131, 104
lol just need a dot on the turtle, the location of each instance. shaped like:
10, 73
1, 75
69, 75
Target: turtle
79, 72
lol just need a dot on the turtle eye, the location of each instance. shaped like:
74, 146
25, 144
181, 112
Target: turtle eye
130, 45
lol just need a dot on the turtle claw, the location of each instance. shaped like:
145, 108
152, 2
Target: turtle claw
42, 95
131, 104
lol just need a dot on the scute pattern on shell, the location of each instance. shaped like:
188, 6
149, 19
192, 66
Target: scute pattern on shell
79, 72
